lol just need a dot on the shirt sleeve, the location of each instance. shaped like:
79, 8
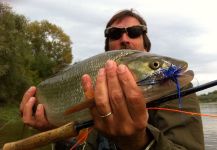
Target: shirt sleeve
174, 130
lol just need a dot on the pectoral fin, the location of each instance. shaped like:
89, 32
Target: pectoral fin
86, 103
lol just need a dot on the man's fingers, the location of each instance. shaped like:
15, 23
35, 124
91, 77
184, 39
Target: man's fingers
101, 93
134, 97
29, 93
40, 118
36, 119
27, 111
116, 96
89, 94
87, 87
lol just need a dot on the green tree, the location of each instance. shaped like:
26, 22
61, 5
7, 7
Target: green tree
50, 46
29, 52
209, 97
15, 55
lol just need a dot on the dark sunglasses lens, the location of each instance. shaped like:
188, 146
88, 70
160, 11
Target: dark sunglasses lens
134, 32
115, 33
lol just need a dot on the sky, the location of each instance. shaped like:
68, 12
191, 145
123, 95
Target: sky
183, 29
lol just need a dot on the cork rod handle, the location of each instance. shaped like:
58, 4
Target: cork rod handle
44, 138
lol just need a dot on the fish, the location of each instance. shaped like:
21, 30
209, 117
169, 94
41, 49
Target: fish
64, 90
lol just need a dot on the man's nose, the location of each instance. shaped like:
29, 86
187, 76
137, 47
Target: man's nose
125, 38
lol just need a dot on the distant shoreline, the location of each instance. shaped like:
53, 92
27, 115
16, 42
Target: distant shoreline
209, 97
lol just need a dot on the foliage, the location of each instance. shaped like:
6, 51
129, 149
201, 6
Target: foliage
29, 52
14, 54
209, 97
50, 46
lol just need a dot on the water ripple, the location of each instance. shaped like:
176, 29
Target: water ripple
209, 125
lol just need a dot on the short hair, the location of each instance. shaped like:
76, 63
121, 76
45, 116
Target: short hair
122, 14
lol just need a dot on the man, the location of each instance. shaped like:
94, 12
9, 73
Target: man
120, 116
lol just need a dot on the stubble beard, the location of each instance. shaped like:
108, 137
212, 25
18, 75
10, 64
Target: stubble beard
126, 46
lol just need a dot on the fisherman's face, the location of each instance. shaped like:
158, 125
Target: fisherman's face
125, 41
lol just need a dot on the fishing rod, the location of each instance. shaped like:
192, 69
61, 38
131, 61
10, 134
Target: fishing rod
72, 129
183, 93
161, 100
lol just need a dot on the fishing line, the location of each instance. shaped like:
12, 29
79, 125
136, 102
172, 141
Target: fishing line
182, 111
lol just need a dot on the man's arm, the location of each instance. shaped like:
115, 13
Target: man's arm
173, 130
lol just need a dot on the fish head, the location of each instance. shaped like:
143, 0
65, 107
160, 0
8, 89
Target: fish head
155, 74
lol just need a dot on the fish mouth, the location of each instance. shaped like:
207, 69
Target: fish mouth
163, 75
154, 89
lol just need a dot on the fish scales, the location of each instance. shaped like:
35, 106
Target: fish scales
64, 90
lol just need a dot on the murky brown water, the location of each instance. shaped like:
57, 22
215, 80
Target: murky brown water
209, 125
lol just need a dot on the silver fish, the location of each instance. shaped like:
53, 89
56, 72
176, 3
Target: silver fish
64, 90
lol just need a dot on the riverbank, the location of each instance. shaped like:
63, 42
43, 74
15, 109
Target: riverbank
209, 97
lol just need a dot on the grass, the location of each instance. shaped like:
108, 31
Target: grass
9, 112
11, 126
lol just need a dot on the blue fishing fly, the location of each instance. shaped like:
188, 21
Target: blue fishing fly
173, 72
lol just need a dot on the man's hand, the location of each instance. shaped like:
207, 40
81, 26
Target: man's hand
116, 91
35, 119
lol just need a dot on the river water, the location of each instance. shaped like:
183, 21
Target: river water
209, 125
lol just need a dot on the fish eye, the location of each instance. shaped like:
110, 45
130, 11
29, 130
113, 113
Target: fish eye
155, 64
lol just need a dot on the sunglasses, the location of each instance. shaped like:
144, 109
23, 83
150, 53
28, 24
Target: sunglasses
115, 33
